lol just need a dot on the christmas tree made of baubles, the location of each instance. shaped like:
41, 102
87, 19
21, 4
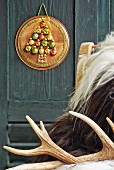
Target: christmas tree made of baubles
42, 43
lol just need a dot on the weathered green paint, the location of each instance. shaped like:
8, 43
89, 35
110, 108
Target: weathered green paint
42, 94
112, 15
3, 85
31, 85
103, 18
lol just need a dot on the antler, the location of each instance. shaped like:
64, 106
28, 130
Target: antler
50, 148
107, 152
110, 123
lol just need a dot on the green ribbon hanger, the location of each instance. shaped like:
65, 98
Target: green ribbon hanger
42, 5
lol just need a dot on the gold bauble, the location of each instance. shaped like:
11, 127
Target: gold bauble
38, 43
47, 51
41, 50
49, 37
31, 42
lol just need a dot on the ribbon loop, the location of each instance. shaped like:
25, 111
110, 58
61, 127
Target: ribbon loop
42, 5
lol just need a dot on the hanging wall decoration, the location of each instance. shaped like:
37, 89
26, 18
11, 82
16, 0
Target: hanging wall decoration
42, 42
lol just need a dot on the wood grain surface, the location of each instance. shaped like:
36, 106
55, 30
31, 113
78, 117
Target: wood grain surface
42, 94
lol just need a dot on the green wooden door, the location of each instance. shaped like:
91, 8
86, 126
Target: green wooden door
43, 95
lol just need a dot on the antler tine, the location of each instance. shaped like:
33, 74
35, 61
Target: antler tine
31, 152
108, 146
47, 147
110, 123
36, 128
43, 127
102, 135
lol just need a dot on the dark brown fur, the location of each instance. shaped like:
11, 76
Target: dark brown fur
75, 136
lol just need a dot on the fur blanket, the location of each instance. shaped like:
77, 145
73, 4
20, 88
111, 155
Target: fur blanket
100, 165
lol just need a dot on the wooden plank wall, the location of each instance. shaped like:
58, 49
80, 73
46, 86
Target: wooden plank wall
41, 94
20, 90
3, 85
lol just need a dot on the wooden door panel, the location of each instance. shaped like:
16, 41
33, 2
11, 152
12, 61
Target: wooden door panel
26, 83
21, 136
42, 94
104, 9
42, 110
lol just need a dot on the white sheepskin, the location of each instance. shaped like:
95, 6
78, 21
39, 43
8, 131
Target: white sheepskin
99, 64
100, 165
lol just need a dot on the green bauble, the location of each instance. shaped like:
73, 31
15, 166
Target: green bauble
28, 48
52, 44
46, 31
44, 43
35, 36
34, 50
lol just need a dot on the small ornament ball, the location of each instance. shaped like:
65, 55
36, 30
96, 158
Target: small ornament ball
44, 43
31, 42
46, 31
34, 50
47, 50
38, 43
38, 30
53, 52
41, 50
35, 36
52, 44
28, 48
41, 37
50, 37
42, 24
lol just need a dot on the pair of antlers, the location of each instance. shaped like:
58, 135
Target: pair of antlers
50, 148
